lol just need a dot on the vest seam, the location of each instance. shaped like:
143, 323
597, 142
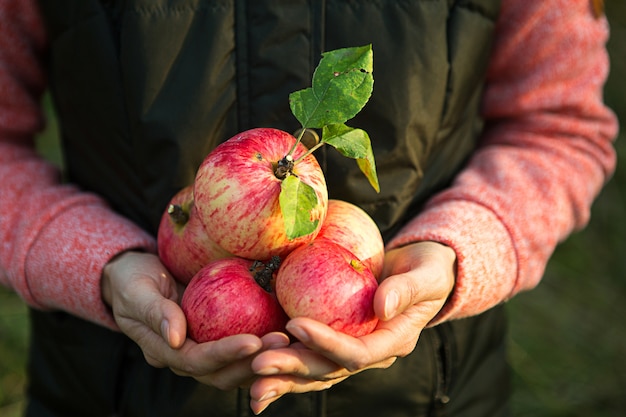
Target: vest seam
146, 10
241, 67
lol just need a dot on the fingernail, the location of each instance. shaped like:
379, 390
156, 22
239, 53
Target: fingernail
259, 410
391, 304
298, 333
267, 396
270, 370
278, 345
165, 331
246, 351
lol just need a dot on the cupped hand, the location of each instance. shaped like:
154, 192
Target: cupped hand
418, 280
145, 299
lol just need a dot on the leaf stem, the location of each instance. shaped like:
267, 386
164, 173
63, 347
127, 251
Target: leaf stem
298, 139
310, 151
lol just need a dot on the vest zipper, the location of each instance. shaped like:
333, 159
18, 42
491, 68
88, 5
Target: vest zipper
318, 31
243, 88
444, 353
318, 46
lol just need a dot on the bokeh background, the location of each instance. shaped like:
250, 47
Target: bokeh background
567, 337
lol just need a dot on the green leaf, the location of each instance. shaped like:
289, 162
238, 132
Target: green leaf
297, 200
356, 144
342, 85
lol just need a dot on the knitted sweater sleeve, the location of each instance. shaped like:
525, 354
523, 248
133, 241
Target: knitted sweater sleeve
545, 154
54, 239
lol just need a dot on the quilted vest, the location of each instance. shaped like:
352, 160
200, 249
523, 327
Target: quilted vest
144, 89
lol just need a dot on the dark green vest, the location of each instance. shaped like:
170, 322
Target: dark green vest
144, 89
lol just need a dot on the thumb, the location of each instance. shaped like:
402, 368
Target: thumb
405, 298
144, 296
144, 313
160, 295
170, 323
393, 296
420, 275
155, 323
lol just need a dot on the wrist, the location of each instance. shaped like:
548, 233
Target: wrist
106, 289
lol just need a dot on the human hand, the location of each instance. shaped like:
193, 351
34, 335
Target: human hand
145, 302
419, 279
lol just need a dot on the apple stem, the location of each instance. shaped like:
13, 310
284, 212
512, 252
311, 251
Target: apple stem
177, 214
286, 164
264, 272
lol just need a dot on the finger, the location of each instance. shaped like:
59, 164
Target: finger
195, 359
420, 273
301, 362
265, 391
162, 315
229, 375
329, 353
399, 292
275, 340
172, 324
238, 373
374, 350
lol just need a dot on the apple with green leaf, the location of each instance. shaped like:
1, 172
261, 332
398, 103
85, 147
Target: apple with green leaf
324, 281
351, 227
262, 193
232, 296
240, 188
183, 245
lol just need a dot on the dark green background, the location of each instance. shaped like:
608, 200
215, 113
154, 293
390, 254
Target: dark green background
567, 337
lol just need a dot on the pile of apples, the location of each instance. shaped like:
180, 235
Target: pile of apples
226, 238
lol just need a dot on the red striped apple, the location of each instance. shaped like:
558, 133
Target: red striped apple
351, 227
324, 281
238, 189
183, 244
232, 296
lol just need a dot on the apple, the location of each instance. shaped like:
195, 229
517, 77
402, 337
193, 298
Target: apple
224, 298
354, 229
324, 281
237, 189
183, 244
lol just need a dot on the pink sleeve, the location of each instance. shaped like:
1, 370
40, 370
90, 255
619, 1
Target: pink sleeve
54, 239
546, 153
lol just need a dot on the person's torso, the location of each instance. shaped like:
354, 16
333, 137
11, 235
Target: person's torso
145, 89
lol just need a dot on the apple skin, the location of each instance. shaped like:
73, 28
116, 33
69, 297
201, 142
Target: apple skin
324, 281
183, 244
223, 299
237, 193
354, 229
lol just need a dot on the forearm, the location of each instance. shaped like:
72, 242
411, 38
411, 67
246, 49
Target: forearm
58, 238
55, 238
546, 153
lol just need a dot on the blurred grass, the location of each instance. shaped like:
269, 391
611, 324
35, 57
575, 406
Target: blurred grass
13, 344
567, 336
